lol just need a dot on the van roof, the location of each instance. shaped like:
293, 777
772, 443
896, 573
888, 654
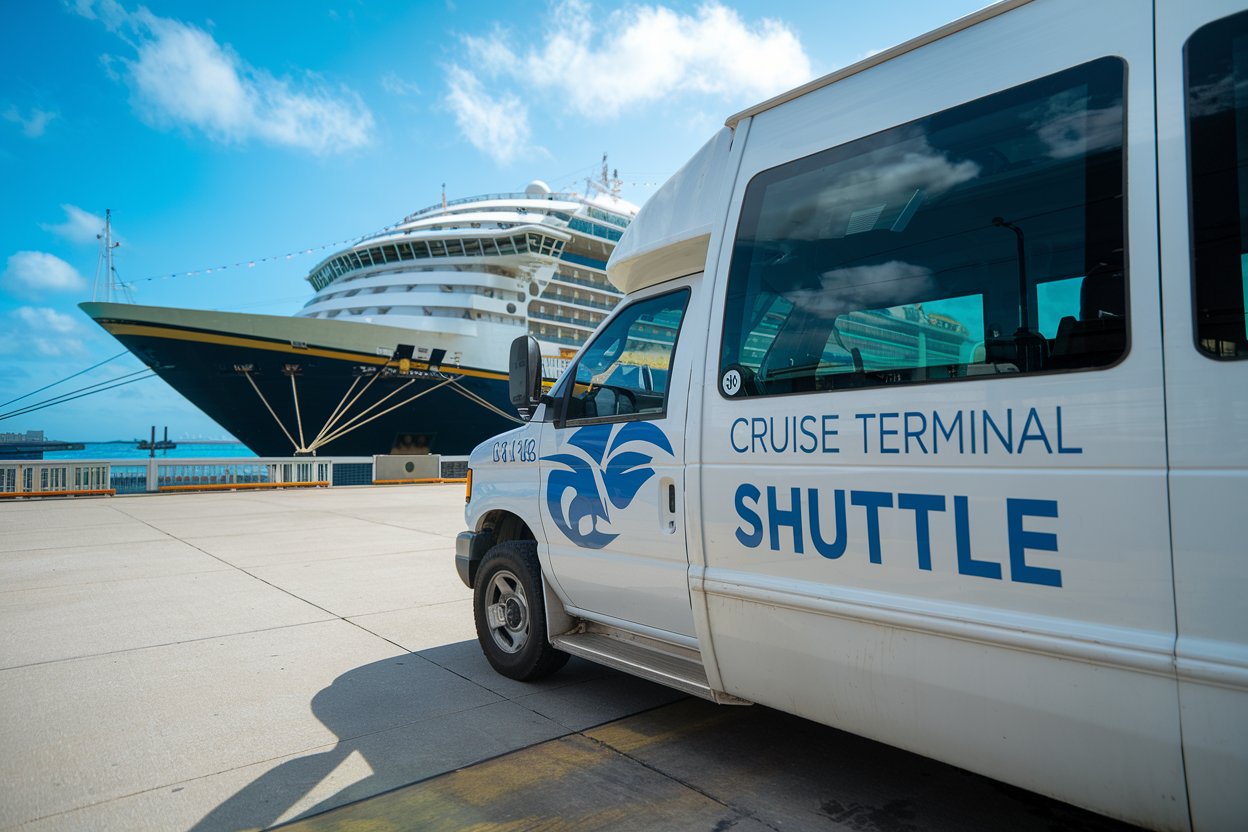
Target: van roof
958, 25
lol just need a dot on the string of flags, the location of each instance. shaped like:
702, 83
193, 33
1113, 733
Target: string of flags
251, 263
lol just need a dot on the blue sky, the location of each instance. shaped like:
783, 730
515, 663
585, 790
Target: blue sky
235, 133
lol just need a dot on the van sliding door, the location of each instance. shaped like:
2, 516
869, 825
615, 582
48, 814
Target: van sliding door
934, 460
1202, 104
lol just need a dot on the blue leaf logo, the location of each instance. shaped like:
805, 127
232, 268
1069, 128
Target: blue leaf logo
621, 472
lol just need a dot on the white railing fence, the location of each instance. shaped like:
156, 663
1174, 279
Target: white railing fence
130, 476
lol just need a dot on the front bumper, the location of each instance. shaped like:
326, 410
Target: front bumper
470, 549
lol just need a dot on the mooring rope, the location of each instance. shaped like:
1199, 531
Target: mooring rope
495, 409
247, 373
329, 425
67, 378
350, 424
294, 394
333, 416
332, 431
89, 390
350, 427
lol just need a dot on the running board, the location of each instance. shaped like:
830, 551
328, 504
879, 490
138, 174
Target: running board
668, 664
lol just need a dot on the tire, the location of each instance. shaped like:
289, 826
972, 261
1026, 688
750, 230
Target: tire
510, 613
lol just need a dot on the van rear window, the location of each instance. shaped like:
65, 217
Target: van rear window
981, 241
1217, 123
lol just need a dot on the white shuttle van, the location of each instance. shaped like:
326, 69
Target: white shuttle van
925, 416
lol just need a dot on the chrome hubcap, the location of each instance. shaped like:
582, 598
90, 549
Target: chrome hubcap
507, 612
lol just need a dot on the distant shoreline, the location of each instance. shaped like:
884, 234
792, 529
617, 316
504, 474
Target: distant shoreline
185, 441
128, 449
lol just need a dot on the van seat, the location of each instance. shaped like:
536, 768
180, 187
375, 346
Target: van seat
1098, 337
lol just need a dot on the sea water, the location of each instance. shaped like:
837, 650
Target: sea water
130, 450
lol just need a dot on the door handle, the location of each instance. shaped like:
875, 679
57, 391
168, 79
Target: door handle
667, 501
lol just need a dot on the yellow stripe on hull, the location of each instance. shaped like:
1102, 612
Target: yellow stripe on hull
120, 329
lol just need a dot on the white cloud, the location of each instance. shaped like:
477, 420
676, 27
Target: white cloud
602, 66
33, 273
39, 331
47, 319
80, 226
108, 11
498, 127
181, 77
395, 85
34, 125
1070, 127
845, 199
854, 288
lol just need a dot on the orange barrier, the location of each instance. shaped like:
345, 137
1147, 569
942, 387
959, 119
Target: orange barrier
91, 492
226, 486
419, 481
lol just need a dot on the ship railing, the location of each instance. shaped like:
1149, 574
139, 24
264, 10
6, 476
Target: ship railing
556, 339
77, 477
604, 288
568, 300
438, 206
539, 315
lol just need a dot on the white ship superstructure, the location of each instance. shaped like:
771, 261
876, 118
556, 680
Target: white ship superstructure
472, 274
406, 340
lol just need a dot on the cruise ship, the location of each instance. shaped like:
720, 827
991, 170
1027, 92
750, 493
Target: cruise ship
403, 347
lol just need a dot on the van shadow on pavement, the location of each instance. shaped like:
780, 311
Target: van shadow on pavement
413, 716
411, 719
353, 707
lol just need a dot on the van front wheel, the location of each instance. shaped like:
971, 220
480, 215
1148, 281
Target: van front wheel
510, 613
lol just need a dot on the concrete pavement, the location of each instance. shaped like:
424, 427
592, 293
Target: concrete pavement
223, 661
233, 660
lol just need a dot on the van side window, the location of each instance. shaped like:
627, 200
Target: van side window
623, 371
981, 241
1217, 124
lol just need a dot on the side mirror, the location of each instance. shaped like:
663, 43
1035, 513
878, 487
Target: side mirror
524, 379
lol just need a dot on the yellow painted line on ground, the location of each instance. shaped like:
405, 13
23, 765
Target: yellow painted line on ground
231, 486
107, 492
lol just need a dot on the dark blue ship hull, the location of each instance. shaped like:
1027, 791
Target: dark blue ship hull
236, 379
